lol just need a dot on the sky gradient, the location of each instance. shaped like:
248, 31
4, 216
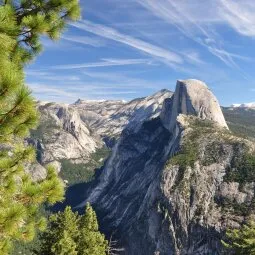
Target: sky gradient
133, 48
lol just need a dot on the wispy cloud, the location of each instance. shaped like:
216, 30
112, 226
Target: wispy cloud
191, 19
145, 47
85, 40
42, 75
193, 57
46, 89
127, 80
239, 15
94, 79
180, 16
105, 62
112, 93
69, 94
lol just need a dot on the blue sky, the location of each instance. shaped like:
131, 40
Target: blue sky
123, 49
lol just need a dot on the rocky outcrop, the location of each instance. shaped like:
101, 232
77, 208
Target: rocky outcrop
166, 187
192, 97
63, 135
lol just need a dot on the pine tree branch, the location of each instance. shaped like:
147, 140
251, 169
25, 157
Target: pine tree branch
15, 129
3, 92
9, 112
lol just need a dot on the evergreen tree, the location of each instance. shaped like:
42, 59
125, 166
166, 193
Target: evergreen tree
91, 241
70, 232
61, 232
65, 245
21, 24
33, 18
241, 241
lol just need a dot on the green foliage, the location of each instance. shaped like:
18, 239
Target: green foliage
30, 248
31, 19
83, 172
55, 237
91, 241
242, 169
21, 25
187, 155
70, 233
242, 209
17, 108
65, 245
19, 248
189, 151
241, 241
22, 197
201, 132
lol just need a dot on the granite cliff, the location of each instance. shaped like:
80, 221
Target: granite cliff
173, 185
74, 136
109, 118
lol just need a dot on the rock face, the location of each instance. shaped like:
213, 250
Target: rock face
109, 118
63, 135
166, 187
74, 132
192, 97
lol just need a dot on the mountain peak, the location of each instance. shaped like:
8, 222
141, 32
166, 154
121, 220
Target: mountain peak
192, 97
244, 105
192, 82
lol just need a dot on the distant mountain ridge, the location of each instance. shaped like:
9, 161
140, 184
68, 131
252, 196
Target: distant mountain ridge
73, 135
109, 117
76, 131
244, 105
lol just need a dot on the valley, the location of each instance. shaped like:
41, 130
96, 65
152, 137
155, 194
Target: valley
156, 164
105, 121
